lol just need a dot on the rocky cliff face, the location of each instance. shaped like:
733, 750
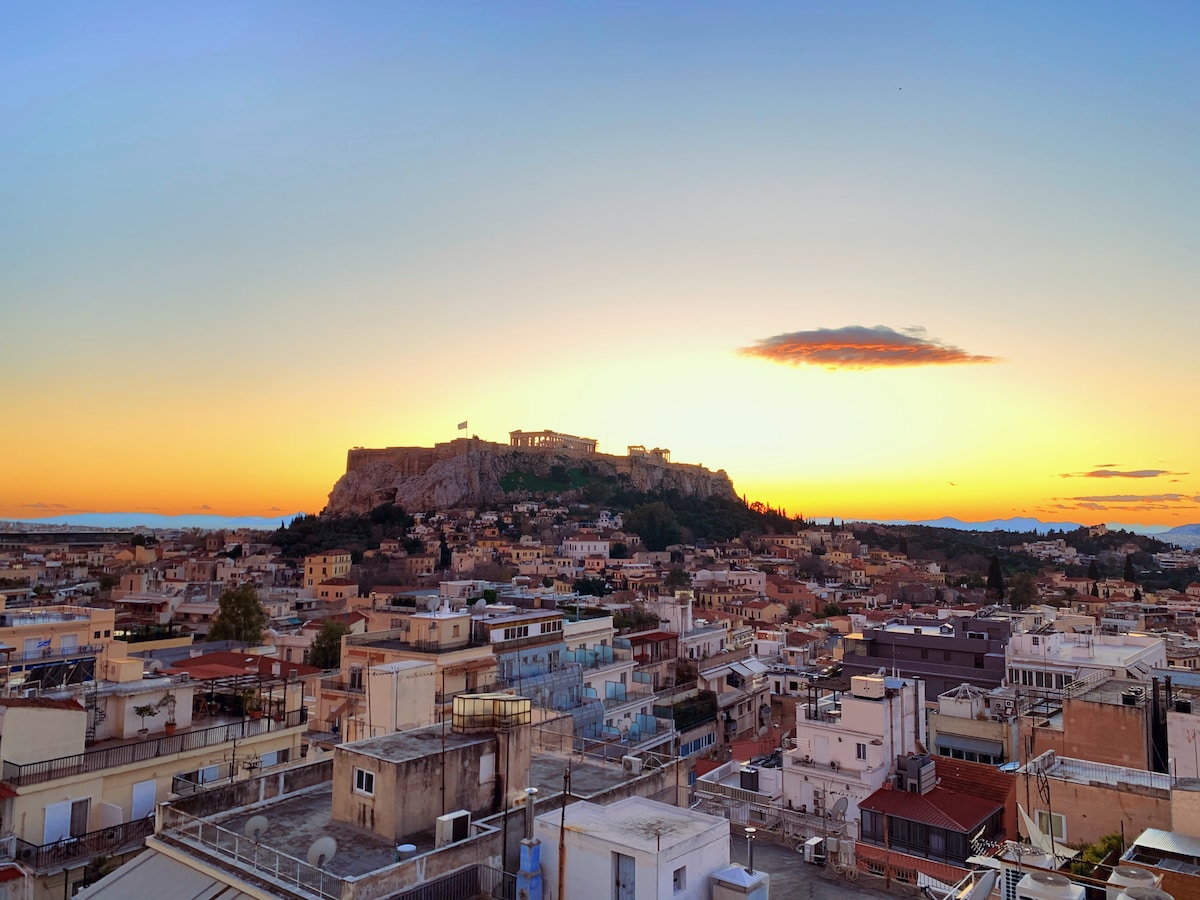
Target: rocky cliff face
478, 478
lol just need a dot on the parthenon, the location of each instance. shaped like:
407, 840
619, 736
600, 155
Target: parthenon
551, 440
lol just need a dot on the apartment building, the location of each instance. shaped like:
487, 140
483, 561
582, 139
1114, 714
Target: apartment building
845, 744
83, 768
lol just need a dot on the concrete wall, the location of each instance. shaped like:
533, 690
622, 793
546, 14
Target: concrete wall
32, 734
1094, 810
1099, 732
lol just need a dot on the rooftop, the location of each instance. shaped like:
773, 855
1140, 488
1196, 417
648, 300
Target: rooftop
637, 823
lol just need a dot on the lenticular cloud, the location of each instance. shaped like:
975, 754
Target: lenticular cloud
860, 347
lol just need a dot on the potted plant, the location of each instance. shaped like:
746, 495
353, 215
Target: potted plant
252, 704
168, 701
146, 709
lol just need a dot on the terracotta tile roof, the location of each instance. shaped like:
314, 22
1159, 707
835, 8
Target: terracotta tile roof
225, 663
983, 781
41, 703
941, 808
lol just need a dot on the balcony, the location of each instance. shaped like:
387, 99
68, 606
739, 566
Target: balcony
21, 775
337, 683
49, 654
76, 850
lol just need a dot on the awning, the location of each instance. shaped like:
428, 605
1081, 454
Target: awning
969, 745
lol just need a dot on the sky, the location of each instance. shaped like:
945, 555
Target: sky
875, 260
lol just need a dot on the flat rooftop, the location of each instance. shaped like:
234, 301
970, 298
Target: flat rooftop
638, 823
417, 743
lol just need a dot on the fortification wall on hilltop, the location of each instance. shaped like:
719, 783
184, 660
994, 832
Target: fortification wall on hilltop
415, 460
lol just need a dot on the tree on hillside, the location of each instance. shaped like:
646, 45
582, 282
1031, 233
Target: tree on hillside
325, 652
1093, 571
1130, 575
1022, 592
995, 579
677, 577
655, 523
240, 617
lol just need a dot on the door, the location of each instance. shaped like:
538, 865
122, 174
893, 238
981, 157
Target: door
623, 888
69, 643
143, 800
58, 822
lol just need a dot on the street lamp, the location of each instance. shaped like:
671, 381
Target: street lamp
750, 830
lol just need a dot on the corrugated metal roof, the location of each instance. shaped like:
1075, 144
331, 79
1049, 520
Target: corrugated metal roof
154, 874
1169, 842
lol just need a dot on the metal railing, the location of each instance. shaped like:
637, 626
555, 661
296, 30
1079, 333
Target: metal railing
476, 881
95, 843
182, 784
237, 849
338, 683
19, 775
45, 653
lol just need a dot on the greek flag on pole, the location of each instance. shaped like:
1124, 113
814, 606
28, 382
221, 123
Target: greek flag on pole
42, 645
462, 426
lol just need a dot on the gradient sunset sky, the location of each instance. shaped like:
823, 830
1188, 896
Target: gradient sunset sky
875, 260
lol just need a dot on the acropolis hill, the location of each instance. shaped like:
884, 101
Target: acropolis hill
473, 472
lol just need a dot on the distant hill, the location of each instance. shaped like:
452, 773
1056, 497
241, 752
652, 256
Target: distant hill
1183, 535
1025, 524
151, 520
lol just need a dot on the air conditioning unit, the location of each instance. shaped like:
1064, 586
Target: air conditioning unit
632, 765
452, 827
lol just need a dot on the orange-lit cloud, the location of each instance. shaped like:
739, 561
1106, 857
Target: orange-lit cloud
1132, 502
1107, 472
861, 347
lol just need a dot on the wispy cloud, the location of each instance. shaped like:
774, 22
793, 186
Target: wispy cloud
861, 347
40, 505
1140, 498
1132, 502
1107, 472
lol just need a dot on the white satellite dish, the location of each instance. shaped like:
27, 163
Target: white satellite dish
321, 851
839, 808
480, 604
255, 827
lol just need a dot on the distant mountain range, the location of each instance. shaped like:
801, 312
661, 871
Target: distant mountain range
1183, 535
153, 520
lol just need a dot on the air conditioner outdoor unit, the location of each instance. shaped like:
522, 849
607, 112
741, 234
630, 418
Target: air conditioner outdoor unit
452, 827
632, 765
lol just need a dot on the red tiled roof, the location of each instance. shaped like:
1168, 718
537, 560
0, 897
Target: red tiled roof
652, 637
977, 779
41, 703
225, 663
10, 873
940, 807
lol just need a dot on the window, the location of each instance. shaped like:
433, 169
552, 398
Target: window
979, 660
679, 879
108, 632
924, 653
1036, 640
860, 751
96, 635
945, 656
364, 782
1052, 824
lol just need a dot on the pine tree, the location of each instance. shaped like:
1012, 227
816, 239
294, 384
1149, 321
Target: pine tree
995, 579
1130, 575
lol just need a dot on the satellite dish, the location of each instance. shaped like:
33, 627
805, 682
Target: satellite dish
432, 604
321, 851
254, 828
762, 732
480, 605
839, 808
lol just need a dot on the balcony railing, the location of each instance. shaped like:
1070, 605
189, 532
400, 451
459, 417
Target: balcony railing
19, 775
341, 684
237, 850
48, 653
103, 842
